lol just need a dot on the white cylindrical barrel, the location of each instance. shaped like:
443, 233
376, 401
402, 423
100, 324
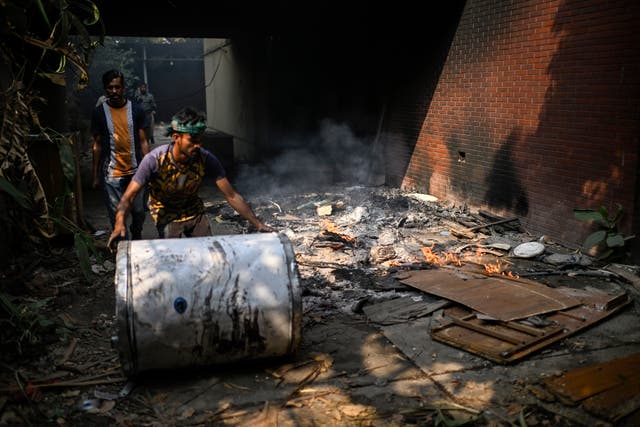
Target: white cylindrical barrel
205, 300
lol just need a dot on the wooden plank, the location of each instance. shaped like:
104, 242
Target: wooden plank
489, 215
523, 328
458, 231
486, 331
585, 382
499, 297
616, 402
610, 389
503, 221
482, 215
533, 342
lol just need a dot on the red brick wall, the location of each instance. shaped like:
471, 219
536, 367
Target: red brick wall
536, 111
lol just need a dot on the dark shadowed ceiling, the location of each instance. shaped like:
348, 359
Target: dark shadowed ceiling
219, 19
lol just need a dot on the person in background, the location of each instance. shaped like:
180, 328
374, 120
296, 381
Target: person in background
174, 173
148, 103
119, 143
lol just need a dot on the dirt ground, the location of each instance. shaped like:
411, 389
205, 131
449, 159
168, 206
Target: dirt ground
347, 370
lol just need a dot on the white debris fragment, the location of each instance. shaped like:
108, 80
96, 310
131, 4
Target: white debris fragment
423, 197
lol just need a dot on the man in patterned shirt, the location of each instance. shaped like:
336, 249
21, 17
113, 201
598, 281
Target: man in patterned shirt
119, 143
174, 173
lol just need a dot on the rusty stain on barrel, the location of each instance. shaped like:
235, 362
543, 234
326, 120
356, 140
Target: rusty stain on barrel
205, 300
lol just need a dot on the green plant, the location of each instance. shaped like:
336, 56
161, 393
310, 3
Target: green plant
39, 39
20, 214
607, 237
24, 325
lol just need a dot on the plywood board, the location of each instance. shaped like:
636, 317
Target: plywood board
499, 297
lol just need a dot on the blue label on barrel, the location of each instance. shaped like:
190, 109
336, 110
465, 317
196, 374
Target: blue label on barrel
180, 305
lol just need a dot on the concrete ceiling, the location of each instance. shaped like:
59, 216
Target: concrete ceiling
221, 19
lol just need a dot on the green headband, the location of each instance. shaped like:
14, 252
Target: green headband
194, 129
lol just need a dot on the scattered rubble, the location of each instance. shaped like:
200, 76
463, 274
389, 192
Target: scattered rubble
368, 355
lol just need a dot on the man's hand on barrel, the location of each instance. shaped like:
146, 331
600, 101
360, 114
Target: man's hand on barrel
118, 233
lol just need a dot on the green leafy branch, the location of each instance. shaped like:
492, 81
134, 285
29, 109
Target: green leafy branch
608, 235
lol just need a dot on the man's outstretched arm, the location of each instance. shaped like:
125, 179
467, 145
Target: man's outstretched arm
237, 202
122, 211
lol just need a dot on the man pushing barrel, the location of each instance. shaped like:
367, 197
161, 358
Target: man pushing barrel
174, 173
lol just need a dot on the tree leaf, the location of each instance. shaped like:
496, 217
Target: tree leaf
604, 212
20, 197
595, 239
67, 159
83, 256
587, 215
43, 13
618, 214
91, 9
8, 306
615, 240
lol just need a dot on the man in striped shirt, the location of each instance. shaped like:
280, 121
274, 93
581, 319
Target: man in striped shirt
119, 143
